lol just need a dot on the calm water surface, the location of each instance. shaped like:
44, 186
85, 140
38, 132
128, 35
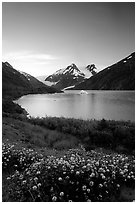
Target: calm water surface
113, 105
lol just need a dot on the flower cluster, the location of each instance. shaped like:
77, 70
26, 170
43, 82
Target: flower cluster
77, 176
18, 159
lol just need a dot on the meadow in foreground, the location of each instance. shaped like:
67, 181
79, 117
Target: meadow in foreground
78, 175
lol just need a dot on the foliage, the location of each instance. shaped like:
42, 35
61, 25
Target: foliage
10, 107
77, 176
107, 134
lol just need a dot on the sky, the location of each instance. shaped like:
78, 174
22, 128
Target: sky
42, 37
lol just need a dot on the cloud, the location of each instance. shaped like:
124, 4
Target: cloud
32, 63
29, 56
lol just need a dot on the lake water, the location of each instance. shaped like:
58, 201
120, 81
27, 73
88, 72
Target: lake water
113, 105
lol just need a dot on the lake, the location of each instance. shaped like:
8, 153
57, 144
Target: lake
112, 105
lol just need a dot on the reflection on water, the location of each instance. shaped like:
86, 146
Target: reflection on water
113, 105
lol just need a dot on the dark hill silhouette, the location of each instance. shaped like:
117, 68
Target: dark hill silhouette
119, 76
16, 84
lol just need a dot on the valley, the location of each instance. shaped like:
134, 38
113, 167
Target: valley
49, 156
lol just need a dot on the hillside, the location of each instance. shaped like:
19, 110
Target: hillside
15, 83
119, 76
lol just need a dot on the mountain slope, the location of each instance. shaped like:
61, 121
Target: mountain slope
15, 84
89, 70
70, 76
42, 78
66, 77
119, 76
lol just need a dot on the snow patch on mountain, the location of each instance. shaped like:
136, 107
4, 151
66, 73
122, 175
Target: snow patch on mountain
69, 87
86, 72
28, 76
129, 57
49, 83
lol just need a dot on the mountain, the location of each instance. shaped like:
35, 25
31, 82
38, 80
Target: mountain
42, 78
16, 83
89, 70
119, 76
68, 77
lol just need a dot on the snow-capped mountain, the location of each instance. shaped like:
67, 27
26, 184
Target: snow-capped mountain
28, 76
89, 70
71, 69
68, 77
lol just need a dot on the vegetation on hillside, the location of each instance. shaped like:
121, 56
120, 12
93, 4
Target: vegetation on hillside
118, 136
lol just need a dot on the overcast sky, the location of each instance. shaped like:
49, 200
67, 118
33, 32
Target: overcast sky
40, 38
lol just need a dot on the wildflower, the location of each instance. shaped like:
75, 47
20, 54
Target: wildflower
91, 183
97, 163
105, 184
61, 194
100, 185
34, 187
121, 173
67, 177
60, 179
54, 198
39, 184
35, 179
88, 164
64, 172
103, 177
100, 170
23, 182
92, 175
77, 172
88, 190
84, 187
38, 172
51, 190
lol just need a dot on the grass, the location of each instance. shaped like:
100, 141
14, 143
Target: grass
63, 133
36, 136
115, 135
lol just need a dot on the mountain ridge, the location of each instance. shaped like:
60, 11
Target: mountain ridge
69, 76
119, 76
16, 84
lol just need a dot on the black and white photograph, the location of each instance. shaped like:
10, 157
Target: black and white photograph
68, 101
